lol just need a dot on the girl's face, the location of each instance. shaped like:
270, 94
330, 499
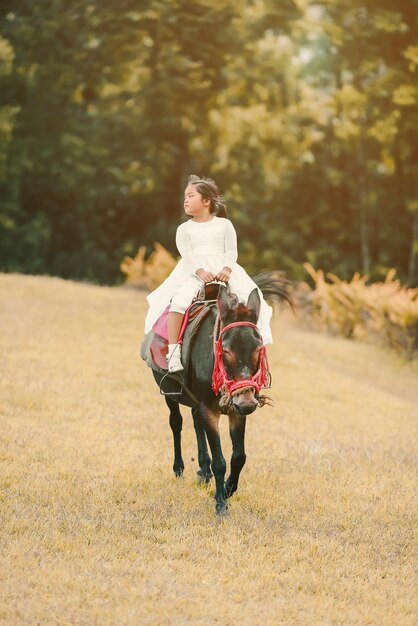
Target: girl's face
194, 204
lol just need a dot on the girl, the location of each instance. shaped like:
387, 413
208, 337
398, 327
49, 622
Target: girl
208, 247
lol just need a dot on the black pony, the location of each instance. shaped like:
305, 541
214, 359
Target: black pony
229, 340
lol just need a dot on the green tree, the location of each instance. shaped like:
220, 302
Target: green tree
305, 112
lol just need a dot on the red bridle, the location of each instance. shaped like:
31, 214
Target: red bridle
220, 378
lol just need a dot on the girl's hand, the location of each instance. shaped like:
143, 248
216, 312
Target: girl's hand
224, 274
207, 277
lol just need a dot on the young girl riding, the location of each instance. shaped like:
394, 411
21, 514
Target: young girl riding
208, 247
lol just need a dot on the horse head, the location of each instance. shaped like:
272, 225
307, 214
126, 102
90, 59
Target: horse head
240, 361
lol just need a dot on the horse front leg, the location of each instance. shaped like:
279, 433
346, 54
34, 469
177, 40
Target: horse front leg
176, 424
204, 474
237, 433
211, 424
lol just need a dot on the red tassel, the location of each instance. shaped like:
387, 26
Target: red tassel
218, 374
262, 376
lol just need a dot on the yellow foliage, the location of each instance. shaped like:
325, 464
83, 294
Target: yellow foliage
6, 56
387, 310
411, 53
405, 95
148, 273
386, 129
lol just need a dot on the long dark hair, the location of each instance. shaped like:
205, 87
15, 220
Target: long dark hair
208, 189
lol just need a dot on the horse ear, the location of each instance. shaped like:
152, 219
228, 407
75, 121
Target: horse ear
223, 302
254, 302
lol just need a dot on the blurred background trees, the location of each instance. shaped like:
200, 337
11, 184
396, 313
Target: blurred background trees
304, 112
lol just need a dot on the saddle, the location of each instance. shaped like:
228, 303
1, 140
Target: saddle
154, 347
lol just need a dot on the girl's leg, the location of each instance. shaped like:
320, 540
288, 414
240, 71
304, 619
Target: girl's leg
174, 322
179, 303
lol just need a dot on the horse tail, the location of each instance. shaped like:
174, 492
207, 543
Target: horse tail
274, 287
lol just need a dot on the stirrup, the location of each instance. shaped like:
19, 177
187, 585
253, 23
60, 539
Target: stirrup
172, 376
183, 388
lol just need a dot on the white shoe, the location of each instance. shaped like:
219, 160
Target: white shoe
174, 358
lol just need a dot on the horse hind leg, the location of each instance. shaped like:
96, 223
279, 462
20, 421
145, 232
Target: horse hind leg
176, 424
204, 473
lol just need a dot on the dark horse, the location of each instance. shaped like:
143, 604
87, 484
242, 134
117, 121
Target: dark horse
240, 359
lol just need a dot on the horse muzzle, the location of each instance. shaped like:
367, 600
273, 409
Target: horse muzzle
245, 403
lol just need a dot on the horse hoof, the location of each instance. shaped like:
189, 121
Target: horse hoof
204, 478
179, 471
222, 510
229, 490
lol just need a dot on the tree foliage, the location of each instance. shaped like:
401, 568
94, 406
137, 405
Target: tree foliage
304, 112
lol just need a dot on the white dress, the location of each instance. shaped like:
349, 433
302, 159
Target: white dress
212, 246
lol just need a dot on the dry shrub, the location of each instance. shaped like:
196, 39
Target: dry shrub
384, 311
148, 273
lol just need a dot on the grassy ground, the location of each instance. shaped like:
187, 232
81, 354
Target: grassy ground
95, 529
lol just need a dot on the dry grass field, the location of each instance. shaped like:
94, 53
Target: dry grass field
95, 529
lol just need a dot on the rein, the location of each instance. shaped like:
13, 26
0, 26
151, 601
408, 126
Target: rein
220, 380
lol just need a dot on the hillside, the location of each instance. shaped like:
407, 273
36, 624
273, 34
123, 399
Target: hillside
95, 528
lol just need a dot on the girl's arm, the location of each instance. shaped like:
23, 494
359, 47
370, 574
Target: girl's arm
184, 246
231, 250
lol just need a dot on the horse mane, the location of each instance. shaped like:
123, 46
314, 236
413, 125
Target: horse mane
240, 313
243, 313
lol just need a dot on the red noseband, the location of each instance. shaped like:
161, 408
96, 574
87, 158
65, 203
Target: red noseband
220, 377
